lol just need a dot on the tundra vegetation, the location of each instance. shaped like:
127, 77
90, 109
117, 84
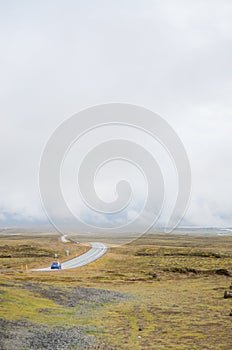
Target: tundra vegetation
158, 292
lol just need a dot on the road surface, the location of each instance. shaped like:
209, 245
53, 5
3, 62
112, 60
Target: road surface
64, 239
97, 251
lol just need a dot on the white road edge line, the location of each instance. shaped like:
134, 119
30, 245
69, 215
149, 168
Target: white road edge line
96, 252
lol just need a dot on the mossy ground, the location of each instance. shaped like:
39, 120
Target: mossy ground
174, 287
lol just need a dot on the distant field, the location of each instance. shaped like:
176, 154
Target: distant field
159, 292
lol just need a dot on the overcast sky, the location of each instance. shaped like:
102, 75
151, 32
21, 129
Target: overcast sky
173, 57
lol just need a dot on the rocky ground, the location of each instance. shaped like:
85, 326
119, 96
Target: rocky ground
24, 335
21, 335
70, 296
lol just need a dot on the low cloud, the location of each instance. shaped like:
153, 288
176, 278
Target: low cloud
172, 57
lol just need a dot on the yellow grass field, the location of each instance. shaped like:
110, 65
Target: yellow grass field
169, 291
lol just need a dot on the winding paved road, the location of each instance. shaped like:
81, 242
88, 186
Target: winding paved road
97, 251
